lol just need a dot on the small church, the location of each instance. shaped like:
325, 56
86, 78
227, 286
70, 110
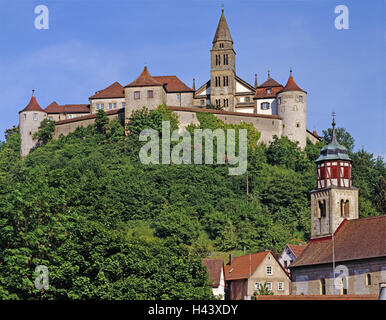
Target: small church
272, 108
345, 255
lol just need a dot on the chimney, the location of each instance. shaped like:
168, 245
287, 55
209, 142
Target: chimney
231, 258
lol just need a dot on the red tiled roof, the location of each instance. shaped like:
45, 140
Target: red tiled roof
270, 82
173, 84
296, 249
244, 266
354, 240
32, 106
215, 267
261, 92
112, 91
291, 85
144, 80
67, 108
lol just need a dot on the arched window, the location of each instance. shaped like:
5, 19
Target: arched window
342, 208
368, 279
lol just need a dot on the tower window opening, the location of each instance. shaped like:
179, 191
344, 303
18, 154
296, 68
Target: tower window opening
247, 99
225, 59
297, 125
35, 116
300, 98
321, 209
221, 45
322, 286
25, 116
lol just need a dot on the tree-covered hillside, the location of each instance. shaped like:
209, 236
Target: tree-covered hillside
109, 227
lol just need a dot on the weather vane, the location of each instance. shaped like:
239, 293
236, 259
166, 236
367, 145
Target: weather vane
333, 119
222, 7
33, 92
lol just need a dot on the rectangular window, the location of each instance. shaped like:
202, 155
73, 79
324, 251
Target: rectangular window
202, 102
280, 286
225, 59
123, 104
300, 98
269, 286
50, 118
257, 285
268, 270
269, 91
114, 105
247, 99
279, 100
178, 96
264, 106
97, 106
110, 106
102, 106
137, 95
150, 93
25, 116
35, 116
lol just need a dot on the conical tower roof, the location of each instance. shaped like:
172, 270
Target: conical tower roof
32, 106
144, 80
334, 150
291, 85
222, 32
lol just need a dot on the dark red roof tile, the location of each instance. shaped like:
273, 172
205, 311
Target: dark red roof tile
32, 106
67, 108
354, 239
291, 85
173, 84
115, 90
144, 80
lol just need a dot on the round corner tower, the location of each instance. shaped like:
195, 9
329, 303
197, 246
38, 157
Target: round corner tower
29, 123
292, 109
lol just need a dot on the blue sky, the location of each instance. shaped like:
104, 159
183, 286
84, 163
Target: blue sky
90, 44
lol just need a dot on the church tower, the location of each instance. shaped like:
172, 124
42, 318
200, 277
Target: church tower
223, 68
334, 198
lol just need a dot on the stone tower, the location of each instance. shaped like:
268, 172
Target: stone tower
292, 109
334, 198
222, 68
29, 122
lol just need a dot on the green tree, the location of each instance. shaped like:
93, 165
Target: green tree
380, 195
101, 122
45, 132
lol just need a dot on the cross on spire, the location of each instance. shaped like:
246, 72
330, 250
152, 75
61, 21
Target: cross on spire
333, 119
222, 8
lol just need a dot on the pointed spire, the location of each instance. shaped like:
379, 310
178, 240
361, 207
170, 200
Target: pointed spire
194, 84
255, 80
222, 32
333, 138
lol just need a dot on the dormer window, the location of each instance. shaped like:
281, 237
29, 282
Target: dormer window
269, 90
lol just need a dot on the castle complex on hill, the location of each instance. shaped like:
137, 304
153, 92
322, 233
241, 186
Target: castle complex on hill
272, 108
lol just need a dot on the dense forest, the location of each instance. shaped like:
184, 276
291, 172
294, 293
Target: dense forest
109, 227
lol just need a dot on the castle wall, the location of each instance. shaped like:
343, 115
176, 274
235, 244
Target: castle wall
67, 126
268, 126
